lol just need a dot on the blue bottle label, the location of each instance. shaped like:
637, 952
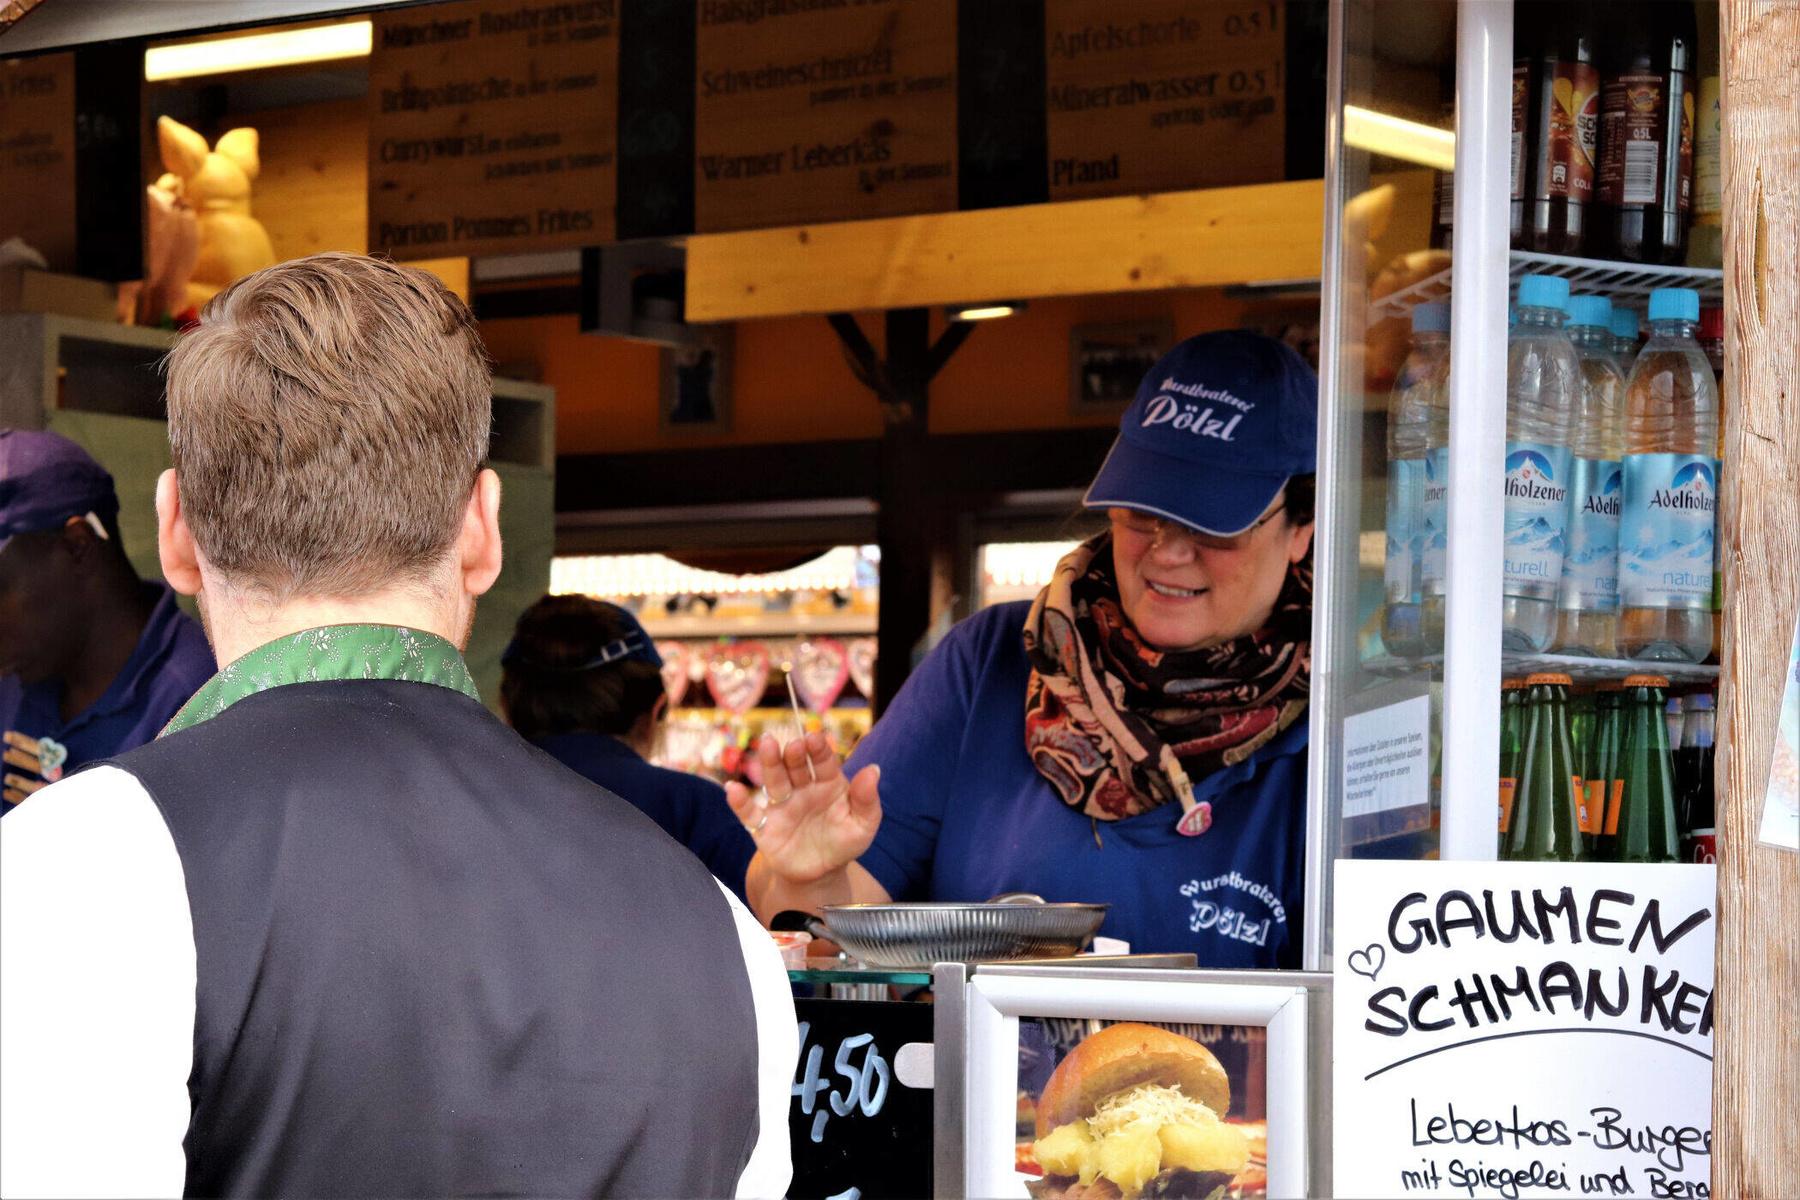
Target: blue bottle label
1405, 529
1590, 572
1434, 544
1537, 514
1666, 530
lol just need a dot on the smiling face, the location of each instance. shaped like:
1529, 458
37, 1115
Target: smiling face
1186, 591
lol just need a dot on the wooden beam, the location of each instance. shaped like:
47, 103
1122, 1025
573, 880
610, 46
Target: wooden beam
971, 468
1756, 1073
1120, 244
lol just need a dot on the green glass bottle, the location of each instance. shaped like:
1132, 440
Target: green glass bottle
1601, 778
1645, 831
1546, 821
1512, 700
1583, 726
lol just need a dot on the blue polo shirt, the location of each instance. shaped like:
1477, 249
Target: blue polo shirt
966, 816
690, 809
170, 663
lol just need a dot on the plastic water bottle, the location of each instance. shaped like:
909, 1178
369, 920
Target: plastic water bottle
1588, 598
1422, 377
1666, 522
1543, 382
1625, 328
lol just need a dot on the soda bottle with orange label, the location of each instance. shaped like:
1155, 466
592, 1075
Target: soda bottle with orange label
1546, 816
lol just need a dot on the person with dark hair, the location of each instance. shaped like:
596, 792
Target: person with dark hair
582, 681
1135, 736
93, 660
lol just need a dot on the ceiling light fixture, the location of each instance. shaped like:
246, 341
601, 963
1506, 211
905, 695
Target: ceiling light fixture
253, 51
983, 312
1397, 137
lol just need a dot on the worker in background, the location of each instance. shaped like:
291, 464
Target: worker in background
582, 681
93, 660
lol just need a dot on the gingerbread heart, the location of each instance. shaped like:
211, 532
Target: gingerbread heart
821, 668
737, 674
862, 665
674, 670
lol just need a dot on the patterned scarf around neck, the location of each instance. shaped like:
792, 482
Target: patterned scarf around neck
1119, 727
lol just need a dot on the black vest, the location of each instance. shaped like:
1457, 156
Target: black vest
435, 962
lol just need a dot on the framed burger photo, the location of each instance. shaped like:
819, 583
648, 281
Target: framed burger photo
1084, 1084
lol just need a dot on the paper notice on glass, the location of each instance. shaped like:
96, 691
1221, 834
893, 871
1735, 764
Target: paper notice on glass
1387, 758
1781, 803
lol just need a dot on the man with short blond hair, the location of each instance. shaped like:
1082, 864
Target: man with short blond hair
339, 931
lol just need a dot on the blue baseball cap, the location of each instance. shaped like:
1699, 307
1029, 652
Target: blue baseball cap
1219, 425
45, 479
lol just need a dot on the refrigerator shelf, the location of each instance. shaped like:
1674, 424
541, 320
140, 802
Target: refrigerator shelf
1577, 667
1630, 283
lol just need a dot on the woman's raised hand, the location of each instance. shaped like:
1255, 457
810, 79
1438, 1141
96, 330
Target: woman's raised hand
809, 820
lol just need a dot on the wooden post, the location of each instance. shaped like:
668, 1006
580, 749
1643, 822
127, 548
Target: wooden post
1756, 1074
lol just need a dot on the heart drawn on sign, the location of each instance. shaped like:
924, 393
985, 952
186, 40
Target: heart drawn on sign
821, 668
674, 670
862, 665
736, 675
1367, 962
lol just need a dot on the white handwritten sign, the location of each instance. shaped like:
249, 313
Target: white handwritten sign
1522, 1029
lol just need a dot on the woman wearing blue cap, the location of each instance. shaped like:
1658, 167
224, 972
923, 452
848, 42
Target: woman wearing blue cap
1137, 734
582, 681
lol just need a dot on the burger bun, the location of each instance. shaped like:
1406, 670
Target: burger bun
1124, 1056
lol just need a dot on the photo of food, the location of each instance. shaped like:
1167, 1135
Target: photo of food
1134, 1110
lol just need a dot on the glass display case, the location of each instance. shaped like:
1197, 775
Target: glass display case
1462, 160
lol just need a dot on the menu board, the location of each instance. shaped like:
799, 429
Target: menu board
1163, 95
37, 155
1522, 1029
860, 1120
809, 110
493, 127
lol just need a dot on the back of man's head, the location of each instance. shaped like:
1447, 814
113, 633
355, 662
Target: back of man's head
328, 418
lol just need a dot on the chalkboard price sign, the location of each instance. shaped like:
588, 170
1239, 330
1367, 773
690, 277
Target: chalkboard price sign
858, 1129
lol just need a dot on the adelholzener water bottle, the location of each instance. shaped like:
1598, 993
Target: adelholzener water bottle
1543, 381
1625, 330
1422, 377
1588, 596
1666, 522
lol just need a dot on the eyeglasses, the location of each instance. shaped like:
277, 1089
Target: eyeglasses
1160, 529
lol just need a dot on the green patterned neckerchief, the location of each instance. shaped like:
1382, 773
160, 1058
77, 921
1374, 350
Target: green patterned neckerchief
330, 652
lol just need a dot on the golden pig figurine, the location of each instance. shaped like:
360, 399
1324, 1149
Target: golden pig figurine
215, 184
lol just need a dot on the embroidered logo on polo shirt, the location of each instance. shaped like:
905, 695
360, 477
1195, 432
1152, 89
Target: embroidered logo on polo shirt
1234, 907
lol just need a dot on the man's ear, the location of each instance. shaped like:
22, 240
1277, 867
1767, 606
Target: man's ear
478, 549
174, 541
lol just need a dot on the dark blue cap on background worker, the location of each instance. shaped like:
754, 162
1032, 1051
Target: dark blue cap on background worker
45, 479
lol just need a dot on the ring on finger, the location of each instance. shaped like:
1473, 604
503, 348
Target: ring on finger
770, 800
758, 827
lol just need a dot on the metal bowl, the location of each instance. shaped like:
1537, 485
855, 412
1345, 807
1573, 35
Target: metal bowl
917, 935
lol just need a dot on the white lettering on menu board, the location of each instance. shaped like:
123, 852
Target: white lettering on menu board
865, 1086
1522, 1029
